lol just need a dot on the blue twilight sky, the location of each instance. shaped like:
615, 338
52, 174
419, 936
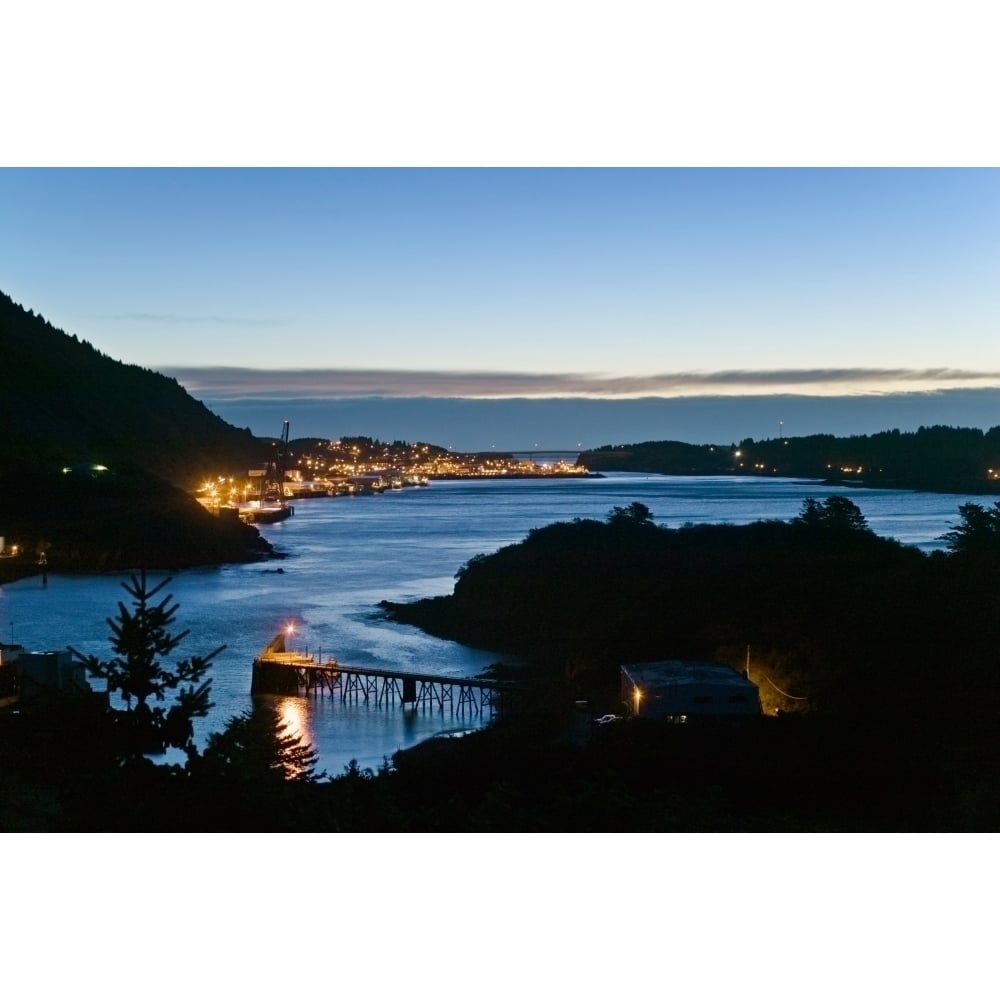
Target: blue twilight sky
299, 289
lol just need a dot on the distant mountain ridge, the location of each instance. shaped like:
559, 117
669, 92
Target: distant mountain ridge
62, 402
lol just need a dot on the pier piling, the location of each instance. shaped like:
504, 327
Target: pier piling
277, 671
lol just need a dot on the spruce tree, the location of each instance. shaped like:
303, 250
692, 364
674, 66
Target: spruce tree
258, 746
141, 638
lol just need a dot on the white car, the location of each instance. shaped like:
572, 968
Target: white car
605, 719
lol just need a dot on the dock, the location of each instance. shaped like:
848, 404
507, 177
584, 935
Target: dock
278, 671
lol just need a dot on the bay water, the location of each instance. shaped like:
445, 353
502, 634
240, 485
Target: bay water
344, 555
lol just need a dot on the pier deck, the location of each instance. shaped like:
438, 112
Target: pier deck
277, 671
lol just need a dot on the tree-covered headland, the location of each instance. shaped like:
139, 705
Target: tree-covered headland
98, 459
943, 459
842, 618
881, 662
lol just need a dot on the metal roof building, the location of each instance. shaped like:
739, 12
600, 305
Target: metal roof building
680, 689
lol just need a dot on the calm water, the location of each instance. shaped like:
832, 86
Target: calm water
344, 555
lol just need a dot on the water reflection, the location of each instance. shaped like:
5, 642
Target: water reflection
294, 719
293, 722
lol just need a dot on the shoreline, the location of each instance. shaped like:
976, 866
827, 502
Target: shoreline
12, 570
857, 484
450, 476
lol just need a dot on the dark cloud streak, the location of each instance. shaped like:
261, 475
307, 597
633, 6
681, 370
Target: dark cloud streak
249, 383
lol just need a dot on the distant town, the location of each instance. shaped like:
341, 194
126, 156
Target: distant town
941, 459
356, 465
356, 455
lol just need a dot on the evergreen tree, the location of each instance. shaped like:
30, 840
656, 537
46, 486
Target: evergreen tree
835, 512
634, 513
141, 637
258, 746
977, 532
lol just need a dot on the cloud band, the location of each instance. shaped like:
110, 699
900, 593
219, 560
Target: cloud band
250, 383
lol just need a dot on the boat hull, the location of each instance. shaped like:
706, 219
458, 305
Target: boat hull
265, 515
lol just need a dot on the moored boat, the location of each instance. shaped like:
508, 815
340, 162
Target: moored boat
267, 513
270, 505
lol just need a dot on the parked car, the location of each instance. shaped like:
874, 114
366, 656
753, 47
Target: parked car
605, 719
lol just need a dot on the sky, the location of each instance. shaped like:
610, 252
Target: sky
541, 223
256, 287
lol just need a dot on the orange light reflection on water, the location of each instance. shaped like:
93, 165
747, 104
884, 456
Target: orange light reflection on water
294, 721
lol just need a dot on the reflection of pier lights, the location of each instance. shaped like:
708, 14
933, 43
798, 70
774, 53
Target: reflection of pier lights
293, 719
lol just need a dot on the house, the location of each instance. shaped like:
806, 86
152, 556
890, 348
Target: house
42, 676
682, 689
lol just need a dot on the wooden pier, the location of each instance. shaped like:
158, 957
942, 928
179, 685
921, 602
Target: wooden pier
277, 671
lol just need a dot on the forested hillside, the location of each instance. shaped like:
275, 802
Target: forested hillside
63, 402
945, 459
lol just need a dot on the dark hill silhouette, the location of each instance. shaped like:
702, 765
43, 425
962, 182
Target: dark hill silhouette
65, 405
63, 402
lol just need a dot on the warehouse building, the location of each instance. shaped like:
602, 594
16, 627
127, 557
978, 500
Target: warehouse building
682, 689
